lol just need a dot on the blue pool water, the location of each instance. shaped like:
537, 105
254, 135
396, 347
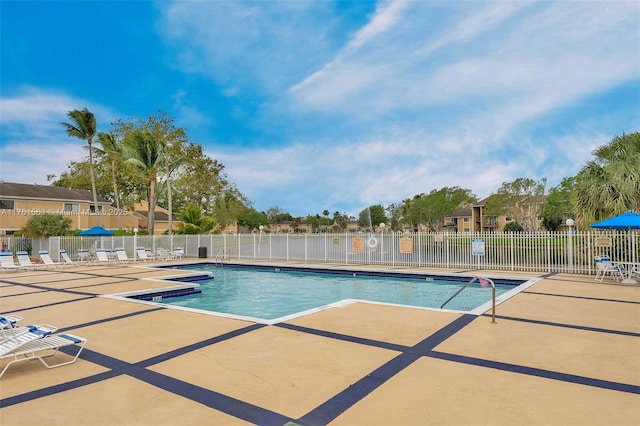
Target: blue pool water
270, 293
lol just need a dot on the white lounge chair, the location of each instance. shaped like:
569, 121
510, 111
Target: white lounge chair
142, 254
66, 259
178, 253
47, 261
102, 257
25, 261
605, 266
9, 321
15, 337
7, 263
48, 345
121, 255
84, 255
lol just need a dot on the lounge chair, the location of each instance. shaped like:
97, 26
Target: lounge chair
142, 254
84, 255
635, 271
605, 266
25, 261
102, 257
9, 321
66, 259
49, 345
15, 337
47, 261
122, 255
7, 263
178, 253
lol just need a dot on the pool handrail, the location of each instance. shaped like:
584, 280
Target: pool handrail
493, 295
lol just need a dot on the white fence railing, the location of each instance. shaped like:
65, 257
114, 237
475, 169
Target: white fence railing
535, 252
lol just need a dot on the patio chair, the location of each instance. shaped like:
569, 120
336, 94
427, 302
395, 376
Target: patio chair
143, 255
25, 261
47, 261
49, 345
7, 263
9, 321
102, 257
178, 253
66, 259
84, 255
121, 255
605, 266
14, 338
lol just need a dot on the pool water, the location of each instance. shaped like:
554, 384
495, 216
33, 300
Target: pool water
276, 293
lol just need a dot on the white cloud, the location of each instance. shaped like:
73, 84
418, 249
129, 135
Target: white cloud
263, 45
33, 142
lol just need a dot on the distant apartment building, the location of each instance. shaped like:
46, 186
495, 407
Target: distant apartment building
473, 218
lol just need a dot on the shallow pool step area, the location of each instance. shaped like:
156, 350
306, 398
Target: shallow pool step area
157, 295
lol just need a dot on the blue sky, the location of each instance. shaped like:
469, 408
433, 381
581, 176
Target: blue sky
315, 105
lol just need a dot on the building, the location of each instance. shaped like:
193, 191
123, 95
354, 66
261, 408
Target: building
472, 218
160, 221
20, 202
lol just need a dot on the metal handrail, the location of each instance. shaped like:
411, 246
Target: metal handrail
493, 295
221, 255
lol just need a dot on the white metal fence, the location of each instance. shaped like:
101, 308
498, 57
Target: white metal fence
535, 252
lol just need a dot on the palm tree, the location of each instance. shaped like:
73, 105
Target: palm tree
146, 153
84, 127
609, 184
111, 147
193, 221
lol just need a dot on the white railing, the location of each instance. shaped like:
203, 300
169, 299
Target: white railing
535, 252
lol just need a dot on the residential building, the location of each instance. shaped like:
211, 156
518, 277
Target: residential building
20, 202
473, 218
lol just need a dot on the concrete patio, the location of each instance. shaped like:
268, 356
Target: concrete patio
566, 351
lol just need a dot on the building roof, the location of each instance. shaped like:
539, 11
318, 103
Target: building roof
46, 192
160, 216
462, 212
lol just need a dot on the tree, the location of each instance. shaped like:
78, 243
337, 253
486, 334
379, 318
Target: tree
131, 182
521, 199
252, 219
84, 127
112, 148
513, 227
609, 184
432, 208
371, 217
146, 153
47, 225
194, 222
558, 205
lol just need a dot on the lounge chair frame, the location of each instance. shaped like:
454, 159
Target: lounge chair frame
50, 345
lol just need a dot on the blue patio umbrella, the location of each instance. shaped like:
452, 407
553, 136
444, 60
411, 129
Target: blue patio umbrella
625, 221
96, 231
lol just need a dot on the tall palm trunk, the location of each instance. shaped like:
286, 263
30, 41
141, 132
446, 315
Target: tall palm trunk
115, 183
152, 202
93, 182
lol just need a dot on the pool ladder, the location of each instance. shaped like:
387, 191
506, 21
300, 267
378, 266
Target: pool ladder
222, 254
493, 295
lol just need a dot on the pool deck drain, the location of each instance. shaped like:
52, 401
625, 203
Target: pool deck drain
564, 351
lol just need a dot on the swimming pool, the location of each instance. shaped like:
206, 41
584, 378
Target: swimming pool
269, 293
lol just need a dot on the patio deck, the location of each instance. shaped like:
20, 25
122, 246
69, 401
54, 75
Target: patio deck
565, 351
